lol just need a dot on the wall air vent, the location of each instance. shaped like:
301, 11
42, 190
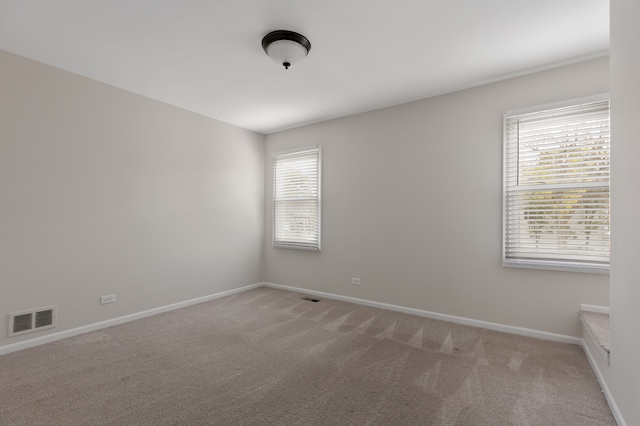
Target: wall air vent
32, 320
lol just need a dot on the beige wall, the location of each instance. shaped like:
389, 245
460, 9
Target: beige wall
625, 199
103, 191
107, 192
412, 206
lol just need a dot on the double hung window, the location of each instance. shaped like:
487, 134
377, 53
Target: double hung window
296, 199
556, 188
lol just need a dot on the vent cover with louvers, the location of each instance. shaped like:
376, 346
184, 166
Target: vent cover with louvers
32, 320
22, 323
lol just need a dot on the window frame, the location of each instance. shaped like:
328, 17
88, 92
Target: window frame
300, 245
547, 264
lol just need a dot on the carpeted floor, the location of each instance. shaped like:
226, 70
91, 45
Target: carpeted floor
598, 325
267, 357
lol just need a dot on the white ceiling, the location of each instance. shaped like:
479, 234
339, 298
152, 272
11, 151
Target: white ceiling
205, 55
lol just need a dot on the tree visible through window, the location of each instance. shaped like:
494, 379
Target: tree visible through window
556, 188
296, 199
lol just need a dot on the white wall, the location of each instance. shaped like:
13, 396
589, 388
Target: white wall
412, 206
625, 204
103, 191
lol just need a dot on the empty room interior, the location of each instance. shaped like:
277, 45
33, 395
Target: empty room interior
336, 212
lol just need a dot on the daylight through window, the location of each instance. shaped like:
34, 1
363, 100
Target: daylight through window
296, 199
556, 188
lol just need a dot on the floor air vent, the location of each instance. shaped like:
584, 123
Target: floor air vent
32, 320
311, 299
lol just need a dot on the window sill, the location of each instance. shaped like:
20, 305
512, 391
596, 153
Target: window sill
590, 268
294, 247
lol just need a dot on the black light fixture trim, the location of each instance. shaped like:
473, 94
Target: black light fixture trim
278, 35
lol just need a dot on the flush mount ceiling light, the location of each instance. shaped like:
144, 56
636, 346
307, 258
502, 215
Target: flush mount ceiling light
286, 47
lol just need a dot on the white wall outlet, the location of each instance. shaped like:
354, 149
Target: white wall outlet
111, 298
355, 281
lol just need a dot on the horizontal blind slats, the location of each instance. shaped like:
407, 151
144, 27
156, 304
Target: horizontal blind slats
296, 195
557, 184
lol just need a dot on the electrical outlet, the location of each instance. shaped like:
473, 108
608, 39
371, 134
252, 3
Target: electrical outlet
355, 281
111, 298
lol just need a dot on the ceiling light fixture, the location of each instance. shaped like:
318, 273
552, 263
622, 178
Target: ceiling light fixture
286, 47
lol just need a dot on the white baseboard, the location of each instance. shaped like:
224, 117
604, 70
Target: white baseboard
120, 320
617, 415
443, 317
484, 324
594, 308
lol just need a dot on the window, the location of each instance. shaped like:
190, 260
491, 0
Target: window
556, 188
296, 199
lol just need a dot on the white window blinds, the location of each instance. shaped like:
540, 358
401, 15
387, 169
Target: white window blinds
296, 199
556, 188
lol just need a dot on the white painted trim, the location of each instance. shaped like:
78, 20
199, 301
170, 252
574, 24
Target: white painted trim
442, 317
459, 320
617, 415
452, 89
120, 320
594, 308
482, 324
560, 104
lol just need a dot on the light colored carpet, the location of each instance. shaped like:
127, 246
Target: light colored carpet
598, 325
266, 357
